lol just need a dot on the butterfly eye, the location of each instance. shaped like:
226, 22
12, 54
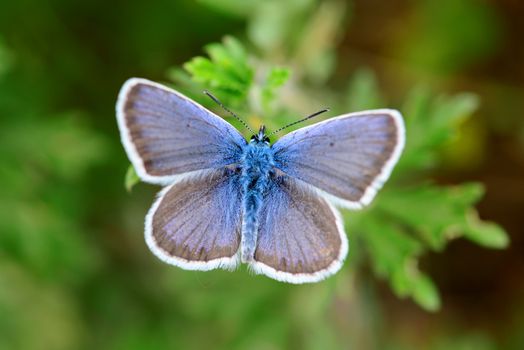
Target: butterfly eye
266, 139
253, 138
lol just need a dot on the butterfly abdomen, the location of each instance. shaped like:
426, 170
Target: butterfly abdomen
257, 162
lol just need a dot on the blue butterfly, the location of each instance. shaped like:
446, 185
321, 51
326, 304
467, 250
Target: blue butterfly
228, 201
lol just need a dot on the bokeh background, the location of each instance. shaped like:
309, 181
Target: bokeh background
423, 272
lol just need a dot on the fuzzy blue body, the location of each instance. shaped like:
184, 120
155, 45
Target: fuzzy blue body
257, 163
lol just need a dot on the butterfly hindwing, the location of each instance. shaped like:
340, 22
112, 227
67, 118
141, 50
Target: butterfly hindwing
348, 158
167, 135
301, 236
195, 224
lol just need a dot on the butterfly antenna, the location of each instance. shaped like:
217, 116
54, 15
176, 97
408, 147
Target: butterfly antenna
227, 110
300, 121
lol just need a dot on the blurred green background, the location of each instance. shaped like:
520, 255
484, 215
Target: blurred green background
427, 268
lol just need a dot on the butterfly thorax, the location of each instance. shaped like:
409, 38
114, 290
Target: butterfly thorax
257, 161
256, 166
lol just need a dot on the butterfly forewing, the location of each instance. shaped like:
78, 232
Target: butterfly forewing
301, 237
166, 134
196, 223
348, 157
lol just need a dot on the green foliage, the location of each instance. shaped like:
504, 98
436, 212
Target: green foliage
75, 272
35, 225
409, 216
226, 72
5, 58
45, 251
51, 308
431, 123
447, 36
300, 33
275, 79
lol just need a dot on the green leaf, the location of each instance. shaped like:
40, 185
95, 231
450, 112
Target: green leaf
435, 214
131, 178
394, 256
430, 124
408, 281
227, 73
425, 293
388, 245
275, 79
487, 234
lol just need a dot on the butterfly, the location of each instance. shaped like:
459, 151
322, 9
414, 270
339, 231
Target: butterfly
228, 201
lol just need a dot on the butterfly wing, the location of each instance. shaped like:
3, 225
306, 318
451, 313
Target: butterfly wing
196, 223
301, 236
347, 158
166, 134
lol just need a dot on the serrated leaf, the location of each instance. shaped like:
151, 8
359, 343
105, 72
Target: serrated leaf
213, 76
232, 57
394, 256
408, 281
227, 72
389, 247
435, 214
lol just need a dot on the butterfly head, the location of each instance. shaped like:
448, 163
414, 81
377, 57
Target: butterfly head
261, 137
